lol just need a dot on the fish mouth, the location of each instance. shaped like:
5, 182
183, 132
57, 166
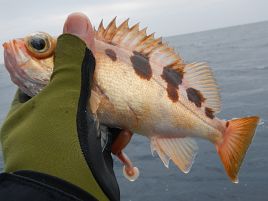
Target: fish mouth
15, 59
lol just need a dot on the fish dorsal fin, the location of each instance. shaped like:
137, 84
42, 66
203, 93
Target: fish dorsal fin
181, 151
134, 39
199, 78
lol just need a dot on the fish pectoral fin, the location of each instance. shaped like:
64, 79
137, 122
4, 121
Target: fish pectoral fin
94, 101
181, 151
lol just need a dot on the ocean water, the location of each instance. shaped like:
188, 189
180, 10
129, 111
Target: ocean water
239, 58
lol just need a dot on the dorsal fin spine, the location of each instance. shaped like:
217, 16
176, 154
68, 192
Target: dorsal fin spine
110, 30
100, 31
137, 40
121, 30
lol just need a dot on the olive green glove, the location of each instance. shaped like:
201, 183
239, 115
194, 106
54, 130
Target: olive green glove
53, 132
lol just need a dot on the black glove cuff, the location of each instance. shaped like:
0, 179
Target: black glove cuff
31, 186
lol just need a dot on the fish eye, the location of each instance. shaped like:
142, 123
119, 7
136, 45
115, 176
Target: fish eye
40, 44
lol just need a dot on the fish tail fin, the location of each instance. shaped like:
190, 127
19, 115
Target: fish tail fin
234, 144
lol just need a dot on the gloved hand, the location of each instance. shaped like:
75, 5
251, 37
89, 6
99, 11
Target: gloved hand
53, 132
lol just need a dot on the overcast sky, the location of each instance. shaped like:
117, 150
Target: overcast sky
165, 17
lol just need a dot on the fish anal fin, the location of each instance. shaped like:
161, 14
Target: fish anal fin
181, 151
199, 77
162, 155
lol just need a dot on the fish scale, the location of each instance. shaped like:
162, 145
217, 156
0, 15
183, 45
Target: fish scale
142, 85
146, 94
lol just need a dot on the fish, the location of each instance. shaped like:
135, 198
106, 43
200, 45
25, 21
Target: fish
141, 84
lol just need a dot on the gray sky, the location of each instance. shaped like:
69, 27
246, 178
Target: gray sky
165, 17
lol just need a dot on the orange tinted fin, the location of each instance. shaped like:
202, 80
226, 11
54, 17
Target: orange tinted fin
236, 140
181, 151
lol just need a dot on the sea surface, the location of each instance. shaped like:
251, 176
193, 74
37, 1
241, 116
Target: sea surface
239, 58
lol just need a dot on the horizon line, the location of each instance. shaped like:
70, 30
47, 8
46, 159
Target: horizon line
214, 29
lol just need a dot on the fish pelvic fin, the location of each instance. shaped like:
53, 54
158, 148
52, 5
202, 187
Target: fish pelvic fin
94, 101
181, 151
234, 144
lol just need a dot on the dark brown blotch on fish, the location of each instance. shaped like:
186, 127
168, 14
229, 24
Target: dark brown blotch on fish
209, 112
141, 65
227, 124
172, 76
111, 54
195, 96
172, 93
